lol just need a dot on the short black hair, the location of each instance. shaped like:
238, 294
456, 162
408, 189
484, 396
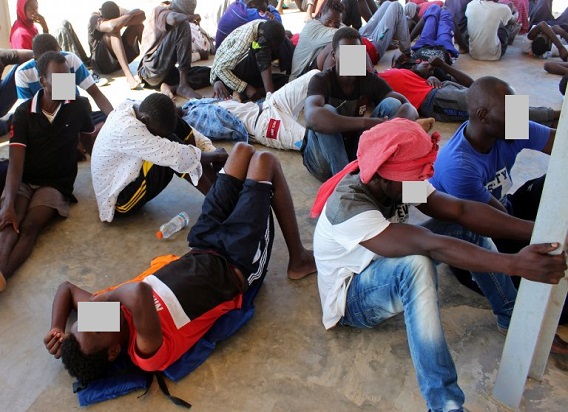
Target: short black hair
562, 84
333, 5
43, 43
43, 63
344, 33
160, 111
483, 90
84, 367
273, 31
110, 10
539, 46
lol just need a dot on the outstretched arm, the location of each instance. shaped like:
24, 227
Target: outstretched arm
417, 29
132, 17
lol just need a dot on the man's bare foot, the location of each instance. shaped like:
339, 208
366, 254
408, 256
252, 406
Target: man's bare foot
168, 90
426, 124
187, 92
2, 282
303, 266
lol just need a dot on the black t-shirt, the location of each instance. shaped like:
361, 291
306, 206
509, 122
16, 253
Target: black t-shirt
51, 148
94, 36
370, 89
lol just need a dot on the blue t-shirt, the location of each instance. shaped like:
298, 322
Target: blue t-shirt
463, 172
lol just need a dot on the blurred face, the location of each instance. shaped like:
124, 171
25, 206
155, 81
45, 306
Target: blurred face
335, 53
32, 9
495, 117
392, 190
91, 342
331, 18
46, 82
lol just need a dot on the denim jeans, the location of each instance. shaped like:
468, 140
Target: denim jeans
408, 284
325, 153
497, 287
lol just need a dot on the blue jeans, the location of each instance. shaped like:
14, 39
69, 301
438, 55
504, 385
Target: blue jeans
408, 284
325, 153
497, 287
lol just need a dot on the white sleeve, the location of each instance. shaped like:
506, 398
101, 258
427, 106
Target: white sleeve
360, 228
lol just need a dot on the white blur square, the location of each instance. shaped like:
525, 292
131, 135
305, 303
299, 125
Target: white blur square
517, 117
415, 192
63, 86
98, 317
352, 60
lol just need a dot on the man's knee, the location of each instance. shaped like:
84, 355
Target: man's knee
243, 149
387, 108
420, 272
264, 161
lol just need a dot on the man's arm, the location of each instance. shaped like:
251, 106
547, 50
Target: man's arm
399, 240
132, 17
320, 119
138, 298
66, 299
477, 217
174, 19
550, 143
100, 99
460, 76
560, 31
417, 29
545, 29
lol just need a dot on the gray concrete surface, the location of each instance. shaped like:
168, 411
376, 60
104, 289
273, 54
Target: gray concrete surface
283, 360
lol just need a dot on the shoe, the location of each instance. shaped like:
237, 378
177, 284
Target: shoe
99, 81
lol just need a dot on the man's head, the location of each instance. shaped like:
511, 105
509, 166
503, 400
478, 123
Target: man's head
486, 104
43, 43
330, 13
158, 113
261, 5
48, 64
345, 36
183, 6
273, 33
394, 152
540, 45
423, 69
87, 355
110, 10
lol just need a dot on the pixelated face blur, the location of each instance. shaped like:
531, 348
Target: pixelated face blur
92, 342
331, 18
46, 82
393, 190
32, 8
496, 111
335, 53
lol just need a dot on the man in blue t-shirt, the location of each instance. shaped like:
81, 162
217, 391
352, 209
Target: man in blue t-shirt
476, 165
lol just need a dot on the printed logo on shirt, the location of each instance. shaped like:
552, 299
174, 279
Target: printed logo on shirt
273, 128
362, 110
500, 185
158, 305
401, 214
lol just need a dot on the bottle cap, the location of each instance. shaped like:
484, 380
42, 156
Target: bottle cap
159, 234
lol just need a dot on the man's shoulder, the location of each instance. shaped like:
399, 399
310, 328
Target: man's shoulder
24, 68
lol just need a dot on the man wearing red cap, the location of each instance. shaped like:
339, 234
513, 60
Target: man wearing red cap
371, 265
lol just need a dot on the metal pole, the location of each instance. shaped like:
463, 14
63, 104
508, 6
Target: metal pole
538, 305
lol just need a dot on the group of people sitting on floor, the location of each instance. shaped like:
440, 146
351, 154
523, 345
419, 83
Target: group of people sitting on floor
362, 239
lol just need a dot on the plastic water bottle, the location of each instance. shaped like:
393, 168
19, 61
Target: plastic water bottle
177, 223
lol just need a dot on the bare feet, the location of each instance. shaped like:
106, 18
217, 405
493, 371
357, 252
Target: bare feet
187, 92
168, 90
426, 124
303, 266
2, 282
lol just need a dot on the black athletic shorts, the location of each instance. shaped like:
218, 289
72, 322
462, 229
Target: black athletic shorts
236, 222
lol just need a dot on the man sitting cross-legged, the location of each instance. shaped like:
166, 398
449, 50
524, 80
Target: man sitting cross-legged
139, 149
43, 165
231, 245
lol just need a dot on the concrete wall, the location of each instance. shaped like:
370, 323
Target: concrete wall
5, 25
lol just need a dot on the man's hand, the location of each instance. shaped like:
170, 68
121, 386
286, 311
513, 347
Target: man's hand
38, 18
250, 91
534, 263
203, 54
53, 340
8, 217
434, 82
436, 62
220, 91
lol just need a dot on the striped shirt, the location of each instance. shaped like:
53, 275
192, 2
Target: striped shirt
233, 49
27, 77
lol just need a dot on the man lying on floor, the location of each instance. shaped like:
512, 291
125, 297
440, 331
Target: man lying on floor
166, 311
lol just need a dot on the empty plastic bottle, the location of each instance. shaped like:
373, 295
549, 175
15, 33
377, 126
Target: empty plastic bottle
177, 223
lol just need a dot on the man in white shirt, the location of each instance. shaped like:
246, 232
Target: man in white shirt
137, 153
490, 26
372, 265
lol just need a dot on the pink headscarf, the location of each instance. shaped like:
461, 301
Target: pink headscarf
398, 150
23, 31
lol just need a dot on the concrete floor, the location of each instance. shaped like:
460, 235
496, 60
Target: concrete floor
283, 360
